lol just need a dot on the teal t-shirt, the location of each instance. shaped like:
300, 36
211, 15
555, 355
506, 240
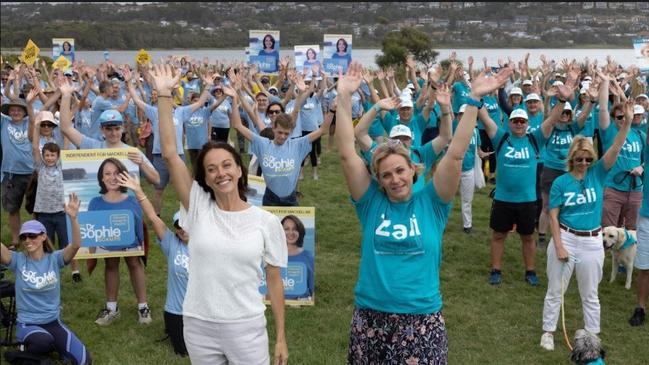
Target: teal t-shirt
460, 92
516, 166
644, 208
401, 251
376, 129
556, 147
495, 113
630, 157
533, 123
468, 162
580, 202
416, 125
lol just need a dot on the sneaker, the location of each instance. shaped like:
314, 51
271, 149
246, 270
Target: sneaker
106, 317
547, 341
76, 277
531, 278
144, 315
468, 230
495, 278
315, 177
638, 317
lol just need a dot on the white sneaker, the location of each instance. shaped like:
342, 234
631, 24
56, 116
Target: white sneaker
144, 315
547, 341
106, 317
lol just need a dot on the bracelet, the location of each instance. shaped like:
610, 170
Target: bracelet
476, 103
165, 96
142, 199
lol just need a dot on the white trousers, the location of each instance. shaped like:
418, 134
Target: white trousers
589, 251
244, 343
467, 187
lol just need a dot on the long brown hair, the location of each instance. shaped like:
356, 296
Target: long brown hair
199, 169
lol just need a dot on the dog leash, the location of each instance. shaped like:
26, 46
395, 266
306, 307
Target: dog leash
563, 312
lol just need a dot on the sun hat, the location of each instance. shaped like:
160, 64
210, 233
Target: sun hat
47, 116
518, 113
400, 130
16, 102
567, 106
32, 226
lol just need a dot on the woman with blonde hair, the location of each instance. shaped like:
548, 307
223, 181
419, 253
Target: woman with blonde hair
576, 201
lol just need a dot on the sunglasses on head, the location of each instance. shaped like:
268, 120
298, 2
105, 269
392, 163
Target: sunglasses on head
519, 121
619, 117
30, 235
582, 159
274, 111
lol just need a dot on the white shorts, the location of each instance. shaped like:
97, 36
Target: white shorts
642, 252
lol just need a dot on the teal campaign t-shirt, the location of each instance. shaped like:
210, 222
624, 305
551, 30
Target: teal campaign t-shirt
533, 123
401, 251
416, 125
495, 113
630, 157
580, 202
644, 208
461, 92
556, 148
516, 166
468, 162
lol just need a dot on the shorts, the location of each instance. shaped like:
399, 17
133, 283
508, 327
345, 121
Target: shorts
548, 177
642, 251
14, 187
504, 215
161, 166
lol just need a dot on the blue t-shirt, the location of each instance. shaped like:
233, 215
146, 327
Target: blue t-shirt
189, 87
99, 105
280, 165
629, 158
197, 128
177, 254
516, 166
274, 66
310, 115
580, 202
181, 114
129, 203
38, 286
16, 147
83, 122
297, 262
220, 117
347, 56
56, 137
460, 92
555, 153
401, 251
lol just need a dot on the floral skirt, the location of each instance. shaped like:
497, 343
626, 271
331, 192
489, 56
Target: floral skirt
390, 338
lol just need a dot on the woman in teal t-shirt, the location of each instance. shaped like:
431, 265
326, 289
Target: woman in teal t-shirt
397, 296
576, 200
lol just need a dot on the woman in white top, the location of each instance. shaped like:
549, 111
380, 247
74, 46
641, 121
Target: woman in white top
223, 311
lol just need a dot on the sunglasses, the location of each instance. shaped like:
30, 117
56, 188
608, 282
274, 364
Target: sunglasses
619, 117
47, 125
582, 159
519, 121
274, 111
265, 81
566, 112
30, 235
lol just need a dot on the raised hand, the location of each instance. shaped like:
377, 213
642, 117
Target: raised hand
389, 103
368, 76
164, 79
72, 207
229, 91
470, 61
628, 111
443, 95
348, 83
126, 72
410, 62
65, 86
33, 93
483, 85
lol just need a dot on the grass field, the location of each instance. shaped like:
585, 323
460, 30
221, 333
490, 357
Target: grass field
486, 324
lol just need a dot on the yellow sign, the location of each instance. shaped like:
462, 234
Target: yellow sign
62, 63
143, 57
30, 53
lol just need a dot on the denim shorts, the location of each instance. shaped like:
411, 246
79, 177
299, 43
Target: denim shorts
161, 166
642, 252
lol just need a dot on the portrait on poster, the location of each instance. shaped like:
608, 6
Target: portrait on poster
336, 52
263, 50
63, 47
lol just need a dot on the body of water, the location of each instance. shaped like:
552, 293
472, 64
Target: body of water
624, 57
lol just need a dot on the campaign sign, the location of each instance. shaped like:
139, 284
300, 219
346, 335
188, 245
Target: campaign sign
105, 228
63, 47
306, 58
256, 189
299, 276
337, 47
641, 51
332, 66
263, 49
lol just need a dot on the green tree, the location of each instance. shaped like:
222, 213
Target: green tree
398, 44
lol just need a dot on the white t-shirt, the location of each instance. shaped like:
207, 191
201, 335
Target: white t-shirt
226, 253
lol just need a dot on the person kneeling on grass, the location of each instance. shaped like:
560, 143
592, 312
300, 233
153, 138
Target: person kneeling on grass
174, 247
38, 289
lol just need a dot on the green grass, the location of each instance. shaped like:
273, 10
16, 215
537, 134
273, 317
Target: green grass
486, 324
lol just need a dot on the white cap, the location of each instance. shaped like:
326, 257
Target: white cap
557, 83
642, 96
622, 75
410, 86
583, 90
527, 82
567, 106
588, 78
532, 96
462, 109
406, 92
518, 113
516, 91
638, 109
272, 88
406, 102
400, 130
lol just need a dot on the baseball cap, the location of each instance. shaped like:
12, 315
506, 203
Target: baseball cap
516, 91
588, 78
532, 96
111, 117
638, 109
265, 79
518, 113
557, 83
642, 96
527, 82
32, 226
583, 90
567, 106
462, 109
67, 72
273, 88
406, 102
400, 130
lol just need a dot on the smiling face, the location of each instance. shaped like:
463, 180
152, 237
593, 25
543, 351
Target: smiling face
310, 54
222, 173
109, 177
516, 99
566, 117
292, 234
518, 126
268, 42
405, 114
262, 102
47, 128
281, 134
341, 45
50, 158
581, 161
33, 242
16, 113
112, 134
532, 106
395, 175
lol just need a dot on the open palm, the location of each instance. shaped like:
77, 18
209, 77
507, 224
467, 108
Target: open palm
163, 78
348, 83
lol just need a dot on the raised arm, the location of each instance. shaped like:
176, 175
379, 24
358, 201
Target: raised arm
356, 175
604, 118
447, 175
235, 118
125, 180
361, 131
322, 129
443, 97
66, 126
613, 152
36, 148
72, 210
131, 89
490, 125
164, 81
208, 82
